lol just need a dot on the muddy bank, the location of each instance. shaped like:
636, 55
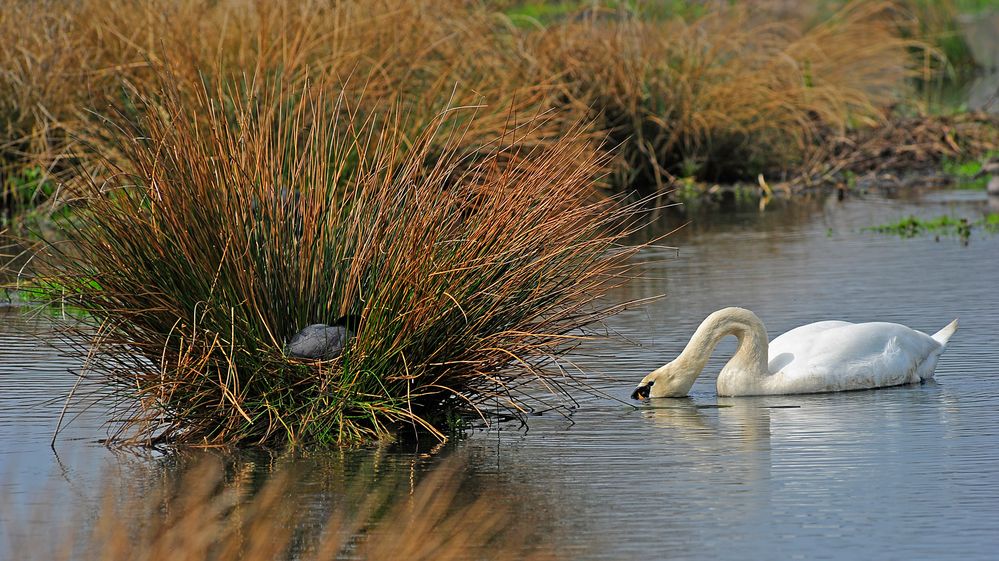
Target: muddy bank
903, 153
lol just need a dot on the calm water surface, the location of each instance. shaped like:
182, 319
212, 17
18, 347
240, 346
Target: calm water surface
904, 473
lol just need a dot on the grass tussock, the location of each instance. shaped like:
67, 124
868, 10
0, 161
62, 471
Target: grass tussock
727, 96
206, 514
40, 76
231, 227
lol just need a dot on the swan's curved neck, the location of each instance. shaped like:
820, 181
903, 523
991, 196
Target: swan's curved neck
750, 358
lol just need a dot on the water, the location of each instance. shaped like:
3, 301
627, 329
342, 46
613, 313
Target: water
899, 473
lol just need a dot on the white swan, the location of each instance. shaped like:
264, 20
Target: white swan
827, 356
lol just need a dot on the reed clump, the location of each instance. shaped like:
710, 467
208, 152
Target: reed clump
728, 95
230, 220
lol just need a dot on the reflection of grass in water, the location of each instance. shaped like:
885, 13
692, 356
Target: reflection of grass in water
912, 226
209, 515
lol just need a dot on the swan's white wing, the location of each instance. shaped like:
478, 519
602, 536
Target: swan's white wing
858, 356
797, 343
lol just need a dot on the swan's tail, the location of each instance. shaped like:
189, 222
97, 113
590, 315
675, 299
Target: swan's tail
944, 334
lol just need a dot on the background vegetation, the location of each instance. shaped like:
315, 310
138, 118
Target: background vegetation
702, 90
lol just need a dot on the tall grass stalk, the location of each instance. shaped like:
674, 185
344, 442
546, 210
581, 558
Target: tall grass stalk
236, 219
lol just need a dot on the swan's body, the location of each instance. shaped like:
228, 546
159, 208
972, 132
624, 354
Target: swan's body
827, 356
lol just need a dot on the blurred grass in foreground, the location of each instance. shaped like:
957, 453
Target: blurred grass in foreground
210, 513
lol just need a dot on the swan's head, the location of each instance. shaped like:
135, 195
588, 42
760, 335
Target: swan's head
671, 380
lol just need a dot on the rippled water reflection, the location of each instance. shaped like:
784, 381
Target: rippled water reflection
909, 472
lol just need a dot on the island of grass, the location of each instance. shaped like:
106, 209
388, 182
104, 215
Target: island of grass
229, 222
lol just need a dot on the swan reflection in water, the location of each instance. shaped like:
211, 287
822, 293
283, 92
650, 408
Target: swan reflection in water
760, 432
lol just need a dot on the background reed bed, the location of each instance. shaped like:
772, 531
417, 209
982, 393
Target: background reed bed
727, 96
705, 91
209, 511
68, 64
40, 62
232, 227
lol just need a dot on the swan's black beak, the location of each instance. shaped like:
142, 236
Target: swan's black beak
642, 392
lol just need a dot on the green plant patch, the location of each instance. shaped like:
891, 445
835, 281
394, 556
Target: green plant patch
51, 295
968, 174
967, 169
546, 13
912, 226
46, 291
25, 188
543, 12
